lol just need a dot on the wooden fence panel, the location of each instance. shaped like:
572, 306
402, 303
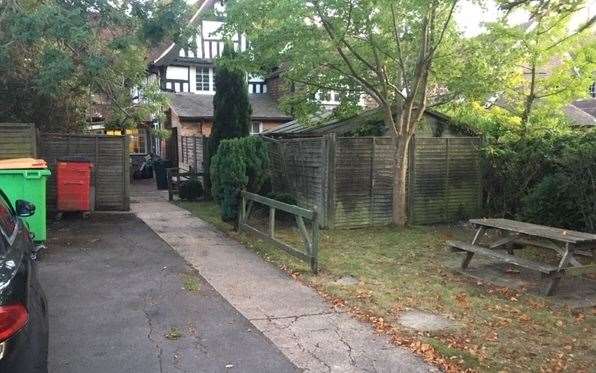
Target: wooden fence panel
193, 150
350, 179
382, 180
446, 184
353, 171
111, 160
298, 167
17, 140
277, 165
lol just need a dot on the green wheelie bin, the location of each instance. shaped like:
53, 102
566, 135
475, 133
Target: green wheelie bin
26, 179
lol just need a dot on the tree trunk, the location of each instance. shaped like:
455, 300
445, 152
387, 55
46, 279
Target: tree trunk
400, 172
525, 117
529, 103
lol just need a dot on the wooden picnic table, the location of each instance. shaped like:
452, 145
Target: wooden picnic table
515, 235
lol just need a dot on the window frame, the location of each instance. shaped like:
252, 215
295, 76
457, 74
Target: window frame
208, 75
260, 123
140, 132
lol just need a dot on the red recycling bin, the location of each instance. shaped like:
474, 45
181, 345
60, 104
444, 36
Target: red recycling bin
73, 186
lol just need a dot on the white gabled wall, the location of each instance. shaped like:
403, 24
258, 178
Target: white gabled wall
193, 79
177, 73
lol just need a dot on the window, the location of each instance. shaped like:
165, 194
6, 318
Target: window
256, 128
8, 222
257, 87
203, 79
137, 140
325, 96
177, 85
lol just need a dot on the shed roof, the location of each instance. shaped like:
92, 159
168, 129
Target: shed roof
323, 123
194, 106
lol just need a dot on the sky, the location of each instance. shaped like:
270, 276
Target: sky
470, 16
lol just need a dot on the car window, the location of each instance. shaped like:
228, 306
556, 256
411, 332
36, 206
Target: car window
8, 222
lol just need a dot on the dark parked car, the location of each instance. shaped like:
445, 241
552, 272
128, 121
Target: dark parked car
23, 309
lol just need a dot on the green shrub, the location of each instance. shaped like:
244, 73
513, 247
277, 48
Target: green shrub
545, 178
511, 167
567, 197
544, 174
238, 164
191, 190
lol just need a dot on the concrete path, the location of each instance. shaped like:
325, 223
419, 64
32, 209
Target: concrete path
292, 315
117, 303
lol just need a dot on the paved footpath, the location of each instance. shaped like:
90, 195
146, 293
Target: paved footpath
293, 316
117, 303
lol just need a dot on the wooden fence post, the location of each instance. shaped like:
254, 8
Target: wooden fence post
411, 180
242, 212
34, 140
206, 163
446, 195
272, 222
125, 174
331, 145
194, 152
314, 250
371, 195
94, 172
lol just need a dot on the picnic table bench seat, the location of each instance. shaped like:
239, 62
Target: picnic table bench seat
517, 235
502, 256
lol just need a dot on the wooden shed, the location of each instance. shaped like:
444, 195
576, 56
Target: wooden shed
350, 178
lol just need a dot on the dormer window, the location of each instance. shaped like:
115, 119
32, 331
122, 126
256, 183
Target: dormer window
328, 97
256, 84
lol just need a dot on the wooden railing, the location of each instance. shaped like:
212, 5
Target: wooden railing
310, 237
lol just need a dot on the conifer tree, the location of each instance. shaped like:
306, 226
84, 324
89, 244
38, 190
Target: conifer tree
231, 108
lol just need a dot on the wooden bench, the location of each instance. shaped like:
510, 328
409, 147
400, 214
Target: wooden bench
518, 235
499, 255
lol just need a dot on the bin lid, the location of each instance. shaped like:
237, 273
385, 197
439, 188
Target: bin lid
22, 163
74, 159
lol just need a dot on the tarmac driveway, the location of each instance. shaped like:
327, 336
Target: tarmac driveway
121, 300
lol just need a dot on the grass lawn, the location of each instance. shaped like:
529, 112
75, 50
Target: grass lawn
399, 270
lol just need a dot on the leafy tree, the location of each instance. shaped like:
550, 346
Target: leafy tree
58, 56
555, 64
388, 50
231, 108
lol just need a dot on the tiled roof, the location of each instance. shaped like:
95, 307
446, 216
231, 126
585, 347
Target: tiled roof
582, 112
192, 105
323, 123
